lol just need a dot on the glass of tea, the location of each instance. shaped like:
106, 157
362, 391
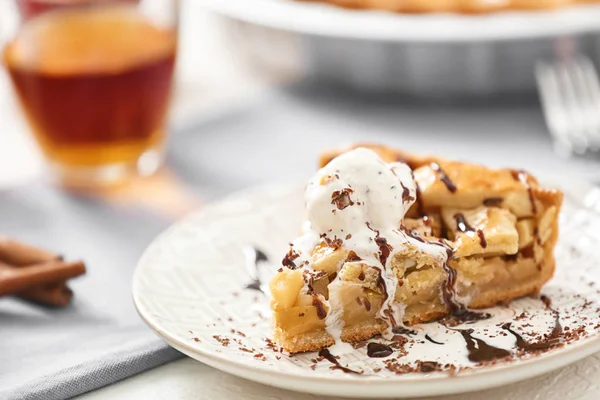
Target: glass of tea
94, 79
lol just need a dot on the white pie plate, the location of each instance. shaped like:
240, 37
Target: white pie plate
188, 287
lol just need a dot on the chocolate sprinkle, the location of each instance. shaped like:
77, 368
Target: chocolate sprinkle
288, 259
341, 198
400, 330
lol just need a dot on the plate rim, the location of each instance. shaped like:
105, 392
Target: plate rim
346, 386
322, 19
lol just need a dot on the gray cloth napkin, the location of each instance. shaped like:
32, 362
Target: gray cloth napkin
99, 339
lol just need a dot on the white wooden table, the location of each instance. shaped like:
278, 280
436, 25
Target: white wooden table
188, 379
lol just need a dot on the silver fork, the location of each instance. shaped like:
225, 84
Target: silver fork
570, 95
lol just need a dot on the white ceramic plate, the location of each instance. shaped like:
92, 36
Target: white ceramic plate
323, 19
189, 288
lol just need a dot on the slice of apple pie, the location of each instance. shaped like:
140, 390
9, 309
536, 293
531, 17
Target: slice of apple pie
392, 238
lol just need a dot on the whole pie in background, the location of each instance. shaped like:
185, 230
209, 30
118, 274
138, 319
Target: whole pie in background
395, 239
463, 6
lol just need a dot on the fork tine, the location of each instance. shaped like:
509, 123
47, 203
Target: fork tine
553, 108
587, 121
572, 96
592, 84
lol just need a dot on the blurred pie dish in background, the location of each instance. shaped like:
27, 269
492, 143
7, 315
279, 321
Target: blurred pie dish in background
463, 6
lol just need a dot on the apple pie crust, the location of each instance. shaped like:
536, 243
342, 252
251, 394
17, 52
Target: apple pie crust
497, 227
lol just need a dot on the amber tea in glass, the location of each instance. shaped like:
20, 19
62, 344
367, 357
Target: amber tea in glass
94, 81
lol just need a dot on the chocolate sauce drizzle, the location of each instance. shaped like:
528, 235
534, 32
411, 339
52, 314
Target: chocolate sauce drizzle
367, 304
406, 197
463, 226
458, 312
412, 233
479, 350
254, 257
321, 311
493, 201
527, 252
384, 249
521, 176
433, 341
336, 364
510, 257
353, 257
379, 350
448, 292
419, 200
443, 177
482, 240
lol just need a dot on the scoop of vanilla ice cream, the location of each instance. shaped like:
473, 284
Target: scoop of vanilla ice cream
359, 187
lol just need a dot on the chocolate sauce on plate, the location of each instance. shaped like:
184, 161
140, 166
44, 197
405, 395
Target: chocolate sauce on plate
550, 341
547, 301
479, 350
336, 364
432, 341
254, 257
378, 350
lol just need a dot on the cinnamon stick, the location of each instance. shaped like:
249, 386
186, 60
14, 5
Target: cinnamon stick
56, 294
14, 280
15, 253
